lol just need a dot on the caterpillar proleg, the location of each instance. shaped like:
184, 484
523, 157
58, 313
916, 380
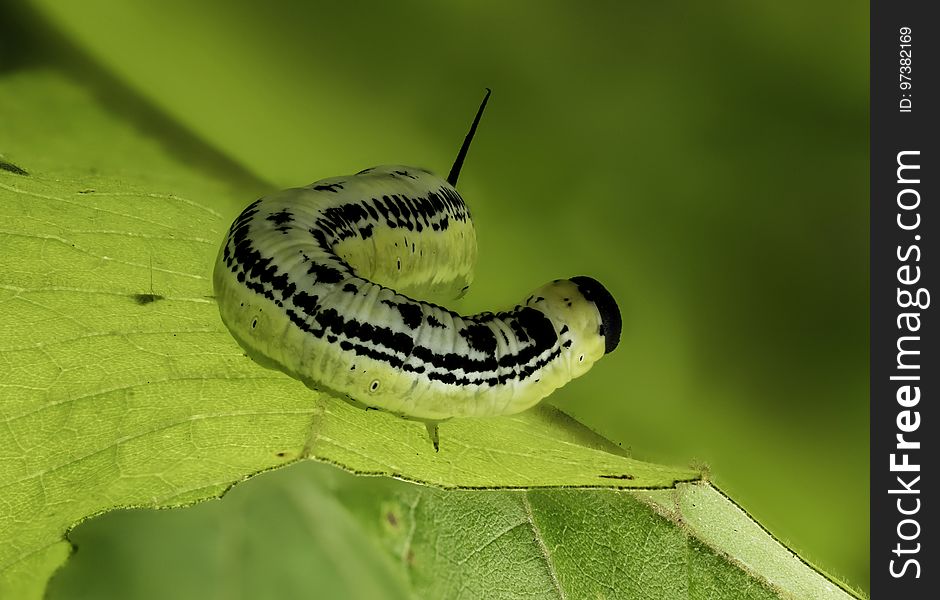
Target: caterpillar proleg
320, 282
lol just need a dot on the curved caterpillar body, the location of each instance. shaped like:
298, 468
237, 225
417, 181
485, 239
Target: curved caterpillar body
306, 281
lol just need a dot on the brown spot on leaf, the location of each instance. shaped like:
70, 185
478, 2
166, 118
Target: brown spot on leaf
143, 299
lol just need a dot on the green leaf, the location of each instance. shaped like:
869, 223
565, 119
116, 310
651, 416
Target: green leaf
267, 537
563, 543
280, 536
120, 385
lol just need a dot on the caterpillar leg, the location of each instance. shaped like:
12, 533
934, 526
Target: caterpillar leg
432, 434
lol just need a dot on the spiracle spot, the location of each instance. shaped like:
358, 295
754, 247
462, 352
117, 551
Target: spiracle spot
254, 323
374, 385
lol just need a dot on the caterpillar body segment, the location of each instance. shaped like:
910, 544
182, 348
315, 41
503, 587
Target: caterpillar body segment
304, 282
331, 284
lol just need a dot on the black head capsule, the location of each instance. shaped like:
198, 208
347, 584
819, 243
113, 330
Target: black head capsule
611, 323
465, 147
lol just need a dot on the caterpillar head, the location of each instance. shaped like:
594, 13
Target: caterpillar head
586, 315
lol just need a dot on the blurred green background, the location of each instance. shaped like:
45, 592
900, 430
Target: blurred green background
707, 161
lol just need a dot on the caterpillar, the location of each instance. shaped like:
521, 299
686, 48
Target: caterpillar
321, 283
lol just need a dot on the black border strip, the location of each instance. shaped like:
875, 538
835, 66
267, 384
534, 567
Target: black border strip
903, 261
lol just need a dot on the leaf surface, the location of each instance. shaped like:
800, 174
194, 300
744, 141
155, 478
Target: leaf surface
121, 387
311, 526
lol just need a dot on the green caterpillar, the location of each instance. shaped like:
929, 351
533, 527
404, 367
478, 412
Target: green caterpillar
306, 282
